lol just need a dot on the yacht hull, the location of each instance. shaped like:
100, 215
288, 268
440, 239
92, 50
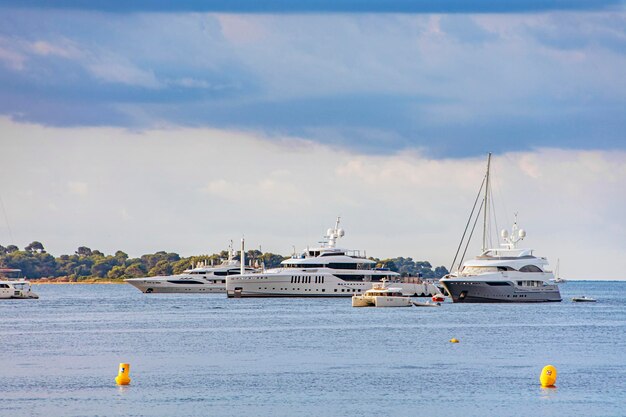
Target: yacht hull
487, 292
309, 284
151, 286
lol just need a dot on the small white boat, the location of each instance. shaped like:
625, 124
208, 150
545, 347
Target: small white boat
583, 299
427, 304
15, 288
381, 296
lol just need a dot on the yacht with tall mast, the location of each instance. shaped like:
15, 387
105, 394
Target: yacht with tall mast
324, 271
200, 278
505, 274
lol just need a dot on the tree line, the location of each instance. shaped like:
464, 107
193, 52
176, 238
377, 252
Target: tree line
88, 264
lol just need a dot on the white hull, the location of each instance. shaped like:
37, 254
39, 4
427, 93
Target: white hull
380, 301
309, 283
16, 290
501, 288
150, 285
384, 301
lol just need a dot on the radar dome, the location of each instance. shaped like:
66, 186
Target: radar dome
329, 232
341, 232
504, 233
522, 233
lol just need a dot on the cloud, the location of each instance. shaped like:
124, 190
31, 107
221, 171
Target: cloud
278, 6
448, 85
77, 187
191, 190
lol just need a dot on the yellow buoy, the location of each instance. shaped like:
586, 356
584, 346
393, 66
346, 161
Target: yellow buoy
454, 340
548, 376
122, 377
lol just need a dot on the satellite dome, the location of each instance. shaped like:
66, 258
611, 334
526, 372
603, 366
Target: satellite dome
522, 233
341, 232
329, 232
504, 233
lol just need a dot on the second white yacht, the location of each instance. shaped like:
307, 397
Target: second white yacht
503, 275
202, 278
325, 271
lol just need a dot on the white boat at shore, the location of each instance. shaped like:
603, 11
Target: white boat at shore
15, 288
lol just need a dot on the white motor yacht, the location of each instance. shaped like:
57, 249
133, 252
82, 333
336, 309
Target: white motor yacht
381, 296
506, 274
201, 278
325, 271
15, 288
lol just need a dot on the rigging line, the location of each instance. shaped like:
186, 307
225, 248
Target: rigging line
471, 233
467, 225
501, 195
6, 219
495, 218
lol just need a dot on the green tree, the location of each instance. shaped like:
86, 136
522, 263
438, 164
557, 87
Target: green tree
34, 247
135, 270
116, 272
102, 266
180, 266
83, 251
162, 267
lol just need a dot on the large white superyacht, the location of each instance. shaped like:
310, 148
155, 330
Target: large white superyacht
504, 275
202, 278
324, 271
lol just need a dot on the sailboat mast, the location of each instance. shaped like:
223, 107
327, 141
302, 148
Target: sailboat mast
486, 203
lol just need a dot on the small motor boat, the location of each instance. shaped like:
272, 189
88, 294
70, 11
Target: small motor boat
428, 304
583, 299
439, 298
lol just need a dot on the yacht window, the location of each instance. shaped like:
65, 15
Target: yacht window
475, 270
341, 265
505, 268
530, 268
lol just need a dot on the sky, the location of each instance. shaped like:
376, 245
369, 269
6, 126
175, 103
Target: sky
178, 126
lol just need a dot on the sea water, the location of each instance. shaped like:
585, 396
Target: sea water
206, 355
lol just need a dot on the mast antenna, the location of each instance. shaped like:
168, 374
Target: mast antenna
486, 203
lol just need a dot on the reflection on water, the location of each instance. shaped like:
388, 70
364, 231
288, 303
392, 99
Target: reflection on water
198, 355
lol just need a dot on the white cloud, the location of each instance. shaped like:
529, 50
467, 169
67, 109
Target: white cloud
64, 48
192, 190
122, 72
77, 187
10, 56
